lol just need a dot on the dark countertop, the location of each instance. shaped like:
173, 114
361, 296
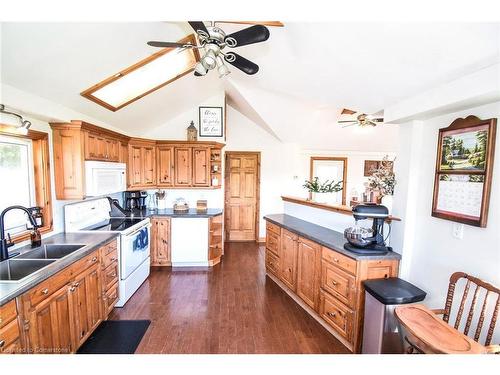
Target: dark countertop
10, 290
169, 212
327, 237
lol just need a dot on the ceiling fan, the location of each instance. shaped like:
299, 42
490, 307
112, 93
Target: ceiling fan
362, 119
213, 40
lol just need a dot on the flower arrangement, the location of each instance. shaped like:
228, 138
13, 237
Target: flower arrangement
383, 178
314, 186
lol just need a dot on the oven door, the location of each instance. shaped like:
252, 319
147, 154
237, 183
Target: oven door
134, 250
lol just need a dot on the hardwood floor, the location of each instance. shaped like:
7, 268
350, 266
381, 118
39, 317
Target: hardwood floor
231, 308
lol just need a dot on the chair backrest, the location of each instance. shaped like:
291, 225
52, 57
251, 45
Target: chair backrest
481, 289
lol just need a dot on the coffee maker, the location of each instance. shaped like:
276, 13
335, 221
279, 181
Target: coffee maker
363, 240
135, 199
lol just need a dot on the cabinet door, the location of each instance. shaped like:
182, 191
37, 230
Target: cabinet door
101, 148
90, 146
161, 242
201, 169
288, 259
112, 153
165, 166
123, 153
93, 285
308, 272
148, 166
183, 166
51, 324
134, 165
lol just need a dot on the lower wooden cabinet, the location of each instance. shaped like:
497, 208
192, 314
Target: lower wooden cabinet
160, 242
328, 283
60, 313
308, 272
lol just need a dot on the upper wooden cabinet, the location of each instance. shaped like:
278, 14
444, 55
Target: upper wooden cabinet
77, 141
201, 166
183, 162
142, 164
165, 166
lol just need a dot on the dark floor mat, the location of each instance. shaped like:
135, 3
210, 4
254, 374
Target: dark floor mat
115, 337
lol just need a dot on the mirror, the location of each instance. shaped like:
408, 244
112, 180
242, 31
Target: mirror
331, 169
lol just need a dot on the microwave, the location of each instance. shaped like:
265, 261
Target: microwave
102, 178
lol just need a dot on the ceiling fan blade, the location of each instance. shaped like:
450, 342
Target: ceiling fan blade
241, 63
265, 23
346, 111
346, 121
250, 35
170, 44
378, 119
199, 26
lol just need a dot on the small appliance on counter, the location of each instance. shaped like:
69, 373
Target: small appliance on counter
135, 199
181, 206
363, 240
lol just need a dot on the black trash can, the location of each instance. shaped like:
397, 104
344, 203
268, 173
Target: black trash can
381, 332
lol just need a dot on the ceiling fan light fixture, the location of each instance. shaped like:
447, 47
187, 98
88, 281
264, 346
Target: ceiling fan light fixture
199, 69
222, 69
209, 60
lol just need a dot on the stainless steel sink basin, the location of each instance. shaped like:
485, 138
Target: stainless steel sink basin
17, 269
51, 251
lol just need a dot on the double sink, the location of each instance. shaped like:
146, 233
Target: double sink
24, 265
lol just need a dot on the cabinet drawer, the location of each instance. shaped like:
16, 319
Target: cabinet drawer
273, 228
8, 312
272, 263
110, 247
110, 275
346, 263
8, 335
379, 269
43, 290
339, 283
110, 299
273, 242
337, 315
109, 257
85, 263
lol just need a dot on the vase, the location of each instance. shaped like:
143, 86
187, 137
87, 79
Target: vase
387, 202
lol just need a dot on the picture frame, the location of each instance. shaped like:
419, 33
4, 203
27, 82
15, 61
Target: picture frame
464, 167
373, 165
211, 122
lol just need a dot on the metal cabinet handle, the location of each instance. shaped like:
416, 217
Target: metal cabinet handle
114, 274
334, 283
76, 284
2, 343
335, 260
45, 291
332, 314
72, 289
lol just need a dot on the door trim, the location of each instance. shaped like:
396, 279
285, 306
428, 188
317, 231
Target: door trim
257, 188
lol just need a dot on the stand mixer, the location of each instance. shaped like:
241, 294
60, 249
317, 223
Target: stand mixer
363, 240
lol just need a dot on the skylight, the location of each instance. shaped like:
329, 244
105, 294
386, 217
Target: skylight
144, 77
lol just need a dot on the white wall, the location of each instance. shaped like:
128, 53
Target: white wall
431, 254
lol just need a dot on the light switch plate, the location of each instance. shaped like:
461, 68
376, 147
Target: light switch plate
458, 230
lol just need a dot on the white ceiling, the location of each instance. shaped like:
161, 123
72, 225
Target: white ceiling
326, 66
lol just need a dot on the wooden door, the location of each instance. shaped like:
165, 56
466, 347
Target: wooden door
161, 242
242, 195
201, 166
148, 166
164, 165
183, 166
308, 272
288, 259
135, 166
51, 324
80, 309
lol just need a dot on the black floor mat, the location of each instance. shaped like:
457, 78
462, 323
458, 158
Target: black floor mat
115, 337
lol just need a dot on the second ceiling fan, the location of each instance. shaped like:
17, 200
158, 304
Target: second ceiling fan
213, 40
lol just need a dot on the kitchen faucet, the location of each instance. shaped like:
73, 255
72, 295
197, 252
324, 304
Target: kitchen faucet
4, 243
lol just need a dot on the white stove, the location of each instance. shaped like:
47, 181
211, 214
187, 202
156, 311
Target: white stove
133, 241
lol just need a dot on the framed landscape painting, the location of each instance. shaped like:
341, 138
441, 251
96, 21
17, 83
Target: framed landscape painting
464, 167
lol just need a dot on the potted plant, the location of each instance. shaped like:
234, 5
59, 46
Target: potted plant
383, 180
323, 192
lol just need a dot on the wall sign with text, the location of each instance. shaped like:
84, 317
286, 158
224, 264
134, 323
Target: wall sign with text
211, 124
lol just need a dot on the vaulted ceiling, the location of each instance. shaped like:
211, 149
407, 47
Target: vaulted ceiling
304, 67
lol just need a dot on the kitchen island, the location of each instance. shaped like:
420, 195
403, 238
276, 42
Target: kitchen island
186, 239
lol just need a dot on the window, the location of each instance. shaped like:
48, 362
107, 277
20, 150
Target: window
144, 77
25, 173
16, 167
331, 169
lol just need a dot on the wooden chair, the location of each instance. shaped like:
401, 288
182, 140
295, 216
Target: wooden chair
479, 289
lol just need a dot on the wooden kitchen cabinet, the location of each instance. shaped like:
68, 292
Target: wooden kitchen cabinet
10, 337
141, 167
75, 142
160, 241
183, 166
308, 271
329, 285
165, 166
201, 166
288, 259
215, 242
